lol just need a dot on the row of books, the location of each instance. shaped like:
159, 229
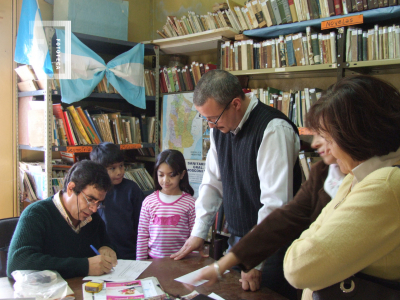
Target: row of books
194, 23
298, 49
75, 126
181, 79
380, 42
294, 104
141, 177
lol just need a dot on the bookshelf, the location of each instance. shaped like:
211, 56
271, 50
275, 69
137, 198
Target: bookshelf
201, 41
105, 46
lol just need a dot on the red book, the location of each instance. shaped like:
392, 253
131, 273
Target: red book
209, 67
162, 82
59, 114
338, 7
69, 128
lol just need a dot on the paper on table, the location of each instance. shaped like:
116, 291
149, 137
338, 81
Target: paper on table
215, 296
126, 270
190, 277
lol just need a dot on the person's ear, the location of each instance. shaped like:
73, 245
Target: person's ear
70, 188
183, 174
237, 103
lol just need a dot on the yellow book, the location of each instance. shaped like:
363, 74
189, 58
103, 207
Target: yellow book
78, 123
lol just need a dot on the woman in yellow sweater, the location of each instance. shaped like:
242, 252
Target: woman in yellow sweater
359, 230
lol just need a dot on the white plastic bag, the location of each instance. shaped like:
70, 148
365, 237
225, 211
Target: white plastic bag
43, 285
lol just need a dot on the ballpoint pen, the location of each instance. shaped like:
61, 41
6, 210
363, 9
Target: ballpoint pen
98, 253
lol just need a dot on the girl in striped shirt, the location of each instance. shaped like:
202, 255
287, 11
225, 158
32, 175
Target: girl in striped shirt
167, 215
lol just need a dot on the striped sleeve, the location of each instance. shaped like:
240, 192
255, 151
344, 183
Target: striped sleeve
143, 231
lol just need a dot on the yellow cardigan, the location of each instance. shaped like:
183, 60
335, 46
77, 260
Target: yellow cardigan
359, 230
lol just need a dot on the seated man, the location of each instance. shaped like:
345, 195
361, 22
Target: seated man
56, 233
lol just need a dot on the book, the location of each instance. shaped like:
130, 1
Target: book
59, 114
25, 73
78, 123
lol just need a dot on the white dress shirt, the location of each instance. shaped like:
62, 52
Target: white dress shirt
276, 157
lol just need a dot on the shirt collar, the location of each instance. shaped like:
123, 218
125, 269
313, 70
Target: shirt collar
252, 105
58, 203
373, 164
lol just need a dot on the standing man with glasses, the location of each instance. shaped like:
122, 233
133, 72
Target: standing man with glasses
252, 165
56, 233
122, 203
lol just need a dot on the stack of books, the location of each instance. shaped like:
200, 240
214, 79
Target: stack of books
27, 79
300, 49
182, 79
140, 176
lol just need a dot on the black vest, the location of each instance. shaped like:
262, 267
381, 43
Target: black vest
237, 160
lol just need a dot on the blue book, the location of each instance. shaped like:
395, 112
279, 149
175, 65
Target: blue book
290, 51
92, 124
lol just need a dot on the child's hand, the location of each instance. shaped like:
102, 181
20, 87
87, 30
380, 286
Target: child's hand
193, 243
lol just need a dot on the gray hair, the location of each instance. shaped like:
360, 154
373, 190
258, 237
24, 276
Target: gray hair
220, 85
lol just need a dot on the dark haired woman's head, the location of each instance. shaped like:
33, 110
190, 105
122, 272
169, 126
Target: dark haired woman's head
361, 115
87, 172
175, 160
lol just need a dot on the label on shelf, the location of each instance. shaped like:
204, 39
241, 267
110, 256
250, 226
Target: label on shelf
280, 69
130, 146
79, 149
345, 21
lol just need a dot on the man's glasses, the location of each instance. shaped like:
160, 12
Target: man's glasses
93, 203
216, 121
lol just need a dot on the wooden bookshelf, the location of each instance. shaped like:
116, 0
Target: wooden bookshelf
201, 41
86, 148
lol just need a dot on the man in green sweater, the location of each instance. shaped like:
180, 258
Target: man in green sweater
57, 233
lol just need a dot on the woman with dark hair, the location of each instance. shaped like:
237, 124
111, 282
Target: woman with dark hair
359, 230
167, 215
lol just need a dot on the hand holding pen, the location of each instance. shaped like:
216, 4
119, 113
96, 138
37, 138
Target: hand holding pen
103, 262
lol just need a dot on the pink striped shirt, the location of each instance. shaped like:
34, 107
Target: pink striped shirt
164, 227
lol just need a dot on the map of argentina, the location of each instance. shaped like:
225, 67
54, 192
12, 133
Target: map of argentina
182, 126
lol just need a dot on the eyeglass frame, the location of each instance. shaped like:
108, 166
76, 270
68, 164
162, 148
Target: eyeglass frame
216, 121
96, 203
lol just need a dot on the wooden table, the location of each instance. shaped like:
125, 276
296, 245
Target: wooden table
166, 270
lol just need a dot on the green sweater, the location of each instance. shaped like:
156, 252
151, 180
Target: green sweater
43, 240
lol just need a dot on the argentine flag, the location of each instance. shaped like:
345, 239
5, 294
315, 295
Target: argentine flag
31, 47
87, 69
125, 72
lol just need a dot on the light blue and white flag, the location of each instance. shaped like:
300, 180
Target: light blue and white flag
31, 47
87, 69
126, 75
125, 72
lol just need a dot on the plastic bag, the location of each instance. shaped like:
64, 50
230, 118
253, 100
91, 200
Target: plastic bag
41, 285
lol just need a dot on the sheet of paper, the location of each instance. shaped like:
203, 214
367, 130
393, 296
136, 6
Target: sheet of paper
149, 289
215, 296
190, 277
125, 270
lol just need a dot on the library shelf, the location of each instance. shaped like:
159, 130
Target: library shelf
145, 158
86, 148
201, 41
309, 68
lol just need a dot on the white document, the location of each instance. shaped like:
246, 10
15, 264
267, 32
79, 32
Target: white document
126, 270
215, 296
190, 277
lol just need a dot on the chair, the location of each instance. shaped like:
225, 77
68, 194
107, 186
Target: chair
7, 227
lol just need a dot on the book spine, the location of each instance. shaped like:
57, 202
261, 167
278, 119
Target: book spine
315, 48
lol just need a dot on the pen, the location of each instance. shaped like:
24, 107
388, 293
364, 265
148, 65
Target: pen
98, 253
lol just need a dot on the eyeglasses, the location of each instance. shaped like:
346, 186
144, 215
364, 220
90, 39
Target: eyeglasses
93, 203
216, 121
